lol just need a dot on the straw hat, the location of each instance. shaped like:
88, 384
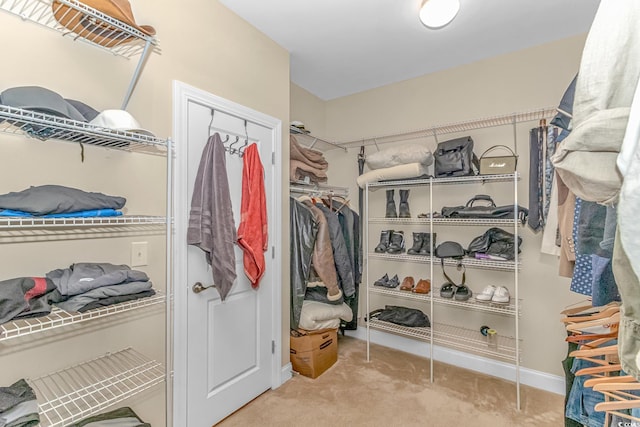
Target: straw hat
96, 30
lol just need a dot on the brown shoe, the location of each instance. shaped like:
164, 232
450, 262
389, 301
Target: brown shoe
407, 284
423, 286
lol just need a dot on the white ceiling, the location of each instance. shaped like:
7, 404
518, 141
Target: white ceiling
341, 47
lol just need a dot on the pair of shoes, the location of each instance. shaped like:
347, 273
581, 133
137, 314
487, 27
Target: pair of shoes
422, 243
496, 295
459, 293
384, 281
391, 242
404, 205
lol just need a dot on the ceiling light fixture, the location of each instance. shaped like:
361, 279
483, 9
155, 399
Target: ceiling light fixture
438, 13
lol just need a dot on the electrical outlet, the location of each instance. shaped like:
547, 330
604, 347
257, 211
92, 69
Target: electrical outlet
139, 254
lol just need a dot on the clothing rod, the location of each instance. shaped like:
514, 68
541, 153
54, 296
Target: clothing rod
337, 191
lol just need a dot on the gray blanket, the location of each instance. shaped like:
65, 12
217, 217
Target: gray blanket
77, 302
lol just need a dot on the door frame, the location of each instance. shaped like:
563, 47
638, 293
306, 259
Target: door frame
183, 95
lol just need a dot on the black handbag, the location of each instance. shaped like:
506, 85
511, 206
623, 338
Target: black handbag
490, 210
455, 158
450, 249
495, 241
403, 316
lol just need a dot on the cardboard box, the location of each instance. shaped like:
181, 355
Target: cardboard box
313, 352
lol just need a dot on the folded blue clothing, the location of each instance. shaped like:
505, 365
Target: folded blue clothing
80, 214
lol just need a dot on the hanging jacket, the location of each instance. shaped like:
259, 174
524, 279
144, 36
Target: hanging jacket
340, 251
322, 257
302, 237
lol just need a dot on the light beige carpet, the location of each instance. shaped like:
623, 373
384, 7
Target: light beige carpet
394, 390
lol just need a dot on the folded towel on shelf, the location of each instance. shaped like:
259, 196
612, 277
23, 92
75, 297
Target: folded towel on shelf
307, 156
55, 199
18, 405
411, 170
298, 171
400, 155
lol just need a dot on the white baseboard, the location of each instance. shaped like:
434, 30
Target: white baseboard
286, 373
507, 371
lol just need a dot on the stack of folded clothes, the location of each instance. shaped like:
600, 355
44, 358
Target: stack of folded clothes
18, 406
85, 286
121, 417
306, 164
57, 201
25, 297
397, 162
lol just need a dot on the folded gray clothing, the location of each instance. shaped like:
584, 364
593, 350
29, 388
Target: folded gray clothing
23, 414
15, 394
85, 276
54, 199
121, 417
25, 297
103, 302
76, 302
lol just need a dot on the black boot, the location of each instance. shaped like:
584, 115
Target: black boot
396, 245
426, 243
391, 206
385, 238
417, 244
404, 204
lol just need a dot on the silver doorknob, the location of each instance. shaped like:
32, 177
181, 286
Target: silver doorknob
199, 287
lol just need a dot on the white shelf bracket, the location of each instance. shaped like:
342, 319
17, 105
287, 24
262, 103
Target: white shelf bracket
136, 74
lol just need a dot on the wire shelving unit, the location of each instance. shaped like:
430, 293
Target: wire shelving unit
78, 391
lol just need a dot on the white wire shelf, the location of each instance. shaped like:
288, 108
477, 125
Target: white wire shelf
45, 126
472, 179
112, 35
464, 126
471, 304
59, 318
447, 221
467, 262
454, 337
310, 141
85, 389
124, 220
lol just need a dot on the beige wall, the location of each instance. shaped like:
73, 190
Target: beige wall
519, 81
310, 110
203, 44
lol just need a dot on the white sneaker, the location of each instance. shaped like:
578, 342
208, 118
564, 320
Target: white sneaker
501, 296
487, 294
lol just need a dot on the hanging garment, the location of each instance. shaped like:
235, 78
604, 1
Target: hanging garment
566, 211
211, 226
609, 72
322, 257
535, 219
253, 229
340, 251
302, 237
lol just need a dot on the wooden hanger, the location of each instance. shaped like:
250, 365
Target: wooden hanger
605, 312
611, 319
577, 307
586, 353
610, 380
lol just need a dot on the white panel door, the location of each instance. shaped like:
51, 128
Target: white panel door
229, 355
